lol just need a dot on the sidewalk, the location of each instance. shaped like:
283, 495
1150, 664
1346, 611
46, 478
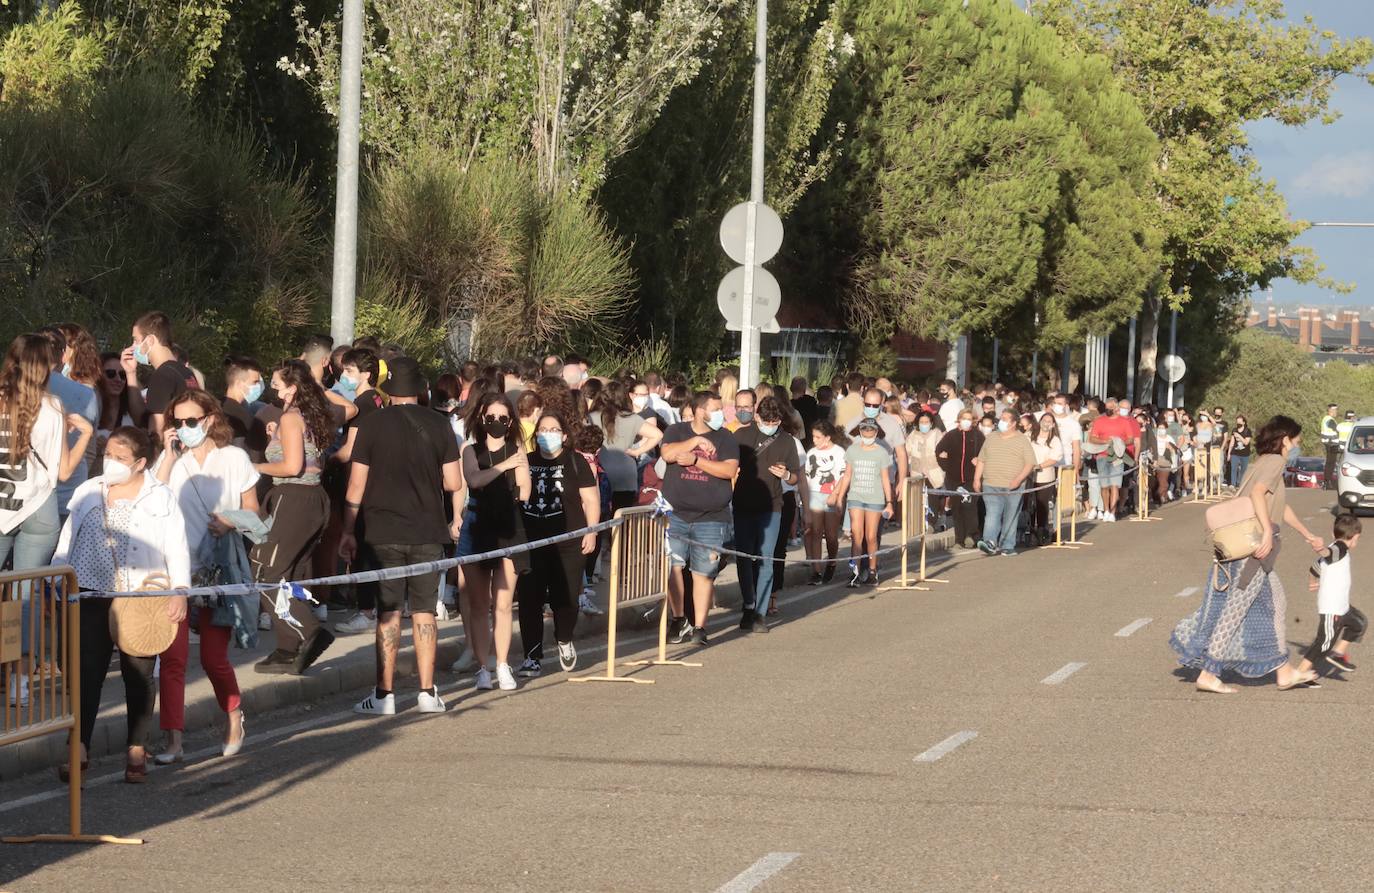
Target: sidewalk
349, 665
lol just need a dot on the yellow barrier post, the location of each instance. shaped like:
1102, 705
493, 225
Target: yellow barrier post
640, 567
54, 687
1068, 489
1142, 498
913, 526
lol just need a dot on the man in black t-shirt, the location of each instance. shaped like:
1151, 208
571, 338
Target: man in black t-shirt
152, 346
806, 407
768, 458
702, 460
404, 458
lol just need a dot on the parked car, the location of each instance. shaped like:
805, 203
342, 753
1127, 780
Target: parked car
1306, 472
1355, 483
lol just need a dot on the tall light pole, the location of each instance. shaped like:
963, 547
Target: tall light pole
749, 330
343, 288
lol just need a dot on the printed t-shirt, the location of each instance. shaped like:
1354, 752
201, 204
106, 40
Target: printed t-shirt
695, 495
867, 466
555, 504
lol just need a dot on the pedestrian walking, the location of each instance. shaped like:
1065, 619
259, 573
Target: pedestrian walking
1338, 624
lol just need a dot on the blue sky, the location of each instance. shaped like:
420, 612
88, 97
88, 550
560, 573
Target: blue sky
1327, 172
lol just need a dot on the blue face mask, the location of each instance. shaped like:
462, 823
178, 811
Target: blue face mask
141, 356
925, 427
1004, 426
767, 430
345, 387
254, 392
66, 370
550, 441
716, 420
744, 416
191, 437
871, 412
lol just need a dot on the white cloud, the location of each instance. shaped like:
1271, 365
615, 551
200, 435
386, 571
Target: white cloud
1350, 175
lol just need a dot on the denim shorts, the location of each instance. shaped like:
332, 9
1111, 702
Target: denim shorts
816, 502
704, 560
866, 506
1109, 472
465, 535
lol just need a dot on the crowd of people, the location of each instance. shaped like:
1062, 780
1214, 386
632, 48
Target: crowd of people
348, 457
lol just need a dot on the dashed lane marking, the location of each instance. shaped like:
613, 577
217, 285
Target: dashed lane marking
958, 739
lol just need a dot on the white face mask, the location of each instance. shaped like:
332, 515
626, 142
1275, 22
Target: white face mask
1004, 426
1124, 411
965, 424
117, 473
1059, 409
639, 401
868, 441
987, 429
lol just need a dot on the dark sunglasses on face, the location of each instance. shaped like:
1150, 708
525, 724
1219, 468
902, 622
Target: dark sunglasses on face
113, 373
189, 422
492, 419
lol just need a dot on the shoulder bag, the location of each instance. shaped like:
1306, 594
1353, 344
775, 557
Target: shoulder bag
1233, 529
139, 625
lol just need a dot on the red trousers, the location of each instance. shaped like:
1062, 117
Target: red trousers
214, 659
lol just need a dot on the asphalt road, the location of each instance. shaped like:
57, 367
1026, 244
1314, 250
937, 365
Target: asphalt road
1023, 727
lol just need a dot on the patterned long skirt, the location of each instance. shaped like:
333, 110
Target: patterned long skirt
1240, 626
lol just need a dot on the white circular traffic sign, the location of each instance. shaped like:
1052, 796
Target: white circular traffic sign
735, 228
1173, 368
730, 298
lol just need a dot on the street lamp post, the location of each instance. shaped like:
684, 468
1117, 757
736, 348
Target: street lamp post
343, 287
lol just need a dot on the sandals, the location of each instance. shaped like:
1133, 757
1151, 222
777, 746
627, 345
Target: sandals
1217, 688
1299, 680
136, 773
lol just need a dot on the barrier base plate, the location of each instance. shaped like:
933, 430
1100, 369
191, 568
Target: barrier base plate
600, 678
911, 588
75, 838
660, 663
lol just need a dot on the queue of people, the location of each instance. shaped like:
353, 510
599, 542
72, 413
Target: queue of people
348, 457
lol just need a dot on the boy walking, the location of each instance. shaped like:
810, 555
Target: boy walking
1338, 624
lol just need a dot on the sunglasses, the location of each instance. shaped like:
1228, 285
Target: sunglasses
489, 419
189, 422
112, 374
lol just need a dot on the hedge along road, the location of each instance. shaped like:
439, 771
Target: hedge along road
897, 741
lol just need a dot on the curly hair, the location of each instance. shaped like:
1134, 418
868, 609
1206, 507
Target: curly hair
23, 386
86, 365
558, 398
309, 401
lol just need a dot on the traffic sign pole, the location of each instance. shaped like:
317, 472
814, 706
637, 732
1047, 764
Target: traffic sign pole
749, 337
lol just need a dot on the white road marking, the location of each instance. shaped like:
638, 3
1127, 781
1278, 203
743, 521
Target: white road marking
1190, 591
1063, 673
944, 747
751, 877
1132, 627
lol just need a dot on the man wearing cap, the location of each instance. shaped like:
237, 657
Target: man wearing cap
404, 459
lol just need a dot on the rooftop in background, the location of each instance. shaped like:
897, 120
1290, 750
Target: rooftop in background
1329, 334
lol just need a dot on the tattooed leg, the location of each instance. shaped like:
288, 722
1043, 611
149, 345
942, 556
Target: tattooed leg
388, 643
426, 645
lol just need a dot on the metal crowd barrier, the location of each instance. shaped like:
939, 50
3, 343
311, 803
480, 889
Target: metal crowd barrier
640, 567
1066, 494
913, 528
51, 673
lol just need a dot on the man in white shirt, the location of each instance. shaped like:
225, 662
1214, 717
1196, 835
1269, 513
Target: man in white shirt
950, 405
1070, 433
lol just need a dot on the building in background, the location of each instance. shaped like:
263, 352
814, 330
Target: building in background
1329, 334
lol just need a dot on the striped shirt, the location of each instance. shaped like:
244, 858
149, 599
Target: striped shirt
1004, 458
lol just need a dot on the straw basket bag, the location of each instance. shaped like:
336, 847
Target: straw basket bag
1233, 529
140, 626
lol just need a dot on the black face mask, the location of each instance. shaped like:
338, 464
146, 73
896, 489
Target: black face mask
496, 427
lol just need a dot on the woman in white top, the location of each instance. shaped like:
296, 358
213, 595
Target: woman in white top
209, 476
34, 458
123, 526
1048, 453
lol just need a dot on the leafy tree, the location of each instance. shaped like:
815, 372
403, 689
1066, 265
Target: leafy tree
115, 196
1200, 71
668, 194
997, 173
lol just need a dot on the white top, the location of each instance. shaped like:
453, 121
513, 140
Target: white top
1333, 574
26, 486
1042, 452
949, 412
216, 486
1070, 433
824, 468
156, 542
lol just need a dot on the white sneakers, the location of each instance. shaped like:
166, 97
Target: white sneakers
1091, 515
1109, 517
358, 623
430, 702
505, 678
567, 656
375, 706
466, 661
586, 603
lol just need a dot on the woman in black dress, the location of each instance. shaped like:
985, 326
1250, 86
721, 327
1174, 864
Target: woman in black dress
498, 475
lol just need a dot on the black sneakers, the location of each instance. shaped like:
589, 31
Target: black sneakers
829, 573
679, 631
698, 636
1340, 662
746, 619
278, 663
759, 624
816, 580
311, 649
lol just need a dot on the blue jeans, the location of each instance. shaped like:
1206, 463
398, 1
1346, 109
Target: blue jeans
1003, 509
1238, 466
32, 543
705, 559
756, 534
